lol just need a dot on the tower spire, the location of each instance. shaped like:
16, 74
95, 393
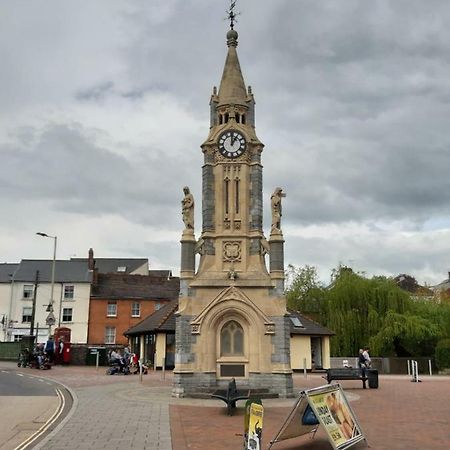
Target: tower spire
232, 87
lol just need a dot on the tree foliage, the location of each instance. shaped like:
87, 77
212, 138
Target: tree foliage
363, 311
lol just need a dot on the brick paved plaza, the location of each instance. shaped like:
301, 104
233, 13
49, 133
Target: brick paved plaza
117, 412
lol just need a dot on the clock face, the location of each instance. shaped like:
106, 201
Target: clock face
231, 144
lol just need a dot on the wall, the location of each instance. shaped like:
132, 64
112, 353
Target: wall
300, 349
98, 320
79, 305
160, 349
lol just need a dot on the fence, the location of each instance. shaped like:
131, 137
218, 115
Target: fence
9, 351
392, 365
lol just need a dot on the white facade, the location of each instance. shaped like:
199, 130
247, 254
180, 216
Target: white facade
70, 308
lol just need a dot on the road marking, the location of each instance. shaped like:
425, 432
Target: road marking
43, 429
19, 374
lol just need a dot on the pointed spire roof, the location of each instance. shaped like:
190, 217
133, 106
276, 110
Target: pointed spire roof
232, 87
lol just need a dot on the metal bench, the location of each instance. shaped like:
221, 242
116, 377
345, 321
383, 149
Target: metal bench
231, 395
346, 374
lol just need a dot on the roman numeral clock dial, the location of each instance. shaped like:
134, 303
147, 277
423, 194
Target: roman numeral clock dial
232, 144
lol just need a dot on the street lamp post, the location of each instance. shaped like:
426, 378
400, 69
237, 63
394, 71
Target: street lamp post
51, 318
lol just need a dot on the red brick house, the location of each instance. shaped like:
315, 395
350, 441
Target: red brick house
120, 301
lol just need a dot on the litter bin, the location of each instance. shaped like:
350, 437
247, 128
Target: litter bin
372, 378
91, 357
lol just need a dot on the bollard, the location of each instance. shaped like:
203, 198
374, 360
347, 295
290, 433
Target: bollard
164, 368
141, 362
429, 366
409, 369
154, 362
304, 367
97, 358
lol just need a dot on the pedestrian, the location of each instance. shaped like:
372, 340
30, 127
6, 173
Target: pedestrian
50, 349
367, 360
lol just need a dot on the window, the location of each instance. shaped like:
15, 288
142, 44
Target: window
232, 339
69, 291
67, 315
17, 337
27, 311
28, 291
122, 269
110, 335
111, 310
296, 322
136, 309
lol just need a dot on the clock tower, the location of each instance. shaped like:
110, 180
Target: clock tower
231, 321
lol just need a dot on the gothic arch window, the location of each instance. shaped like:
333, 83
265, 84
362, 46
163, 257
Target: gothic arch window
238, 118
231, 339
243, 119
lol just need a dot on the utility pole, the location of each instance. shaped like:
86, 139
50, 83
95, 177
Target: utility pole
33, 310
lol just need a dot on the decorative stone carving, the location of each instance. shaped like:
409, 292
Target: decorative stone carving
275, 202
270, 328
187, 208
226, 224
195, 328
265, 247
237, 224
231, 251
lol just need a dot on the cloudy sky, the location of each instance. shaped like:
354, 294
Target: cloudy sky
103, 106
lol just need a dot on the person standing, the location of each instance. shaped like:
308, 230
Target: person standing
367, 360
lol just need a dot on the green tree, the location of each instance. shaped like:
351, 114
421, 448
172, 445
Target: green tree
305, 292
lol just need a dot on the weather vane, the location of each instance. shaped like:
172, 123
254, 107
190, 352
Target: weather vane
231, 14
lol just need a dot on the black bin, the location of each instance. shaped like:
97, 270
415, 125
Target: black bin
372, 378
91, 357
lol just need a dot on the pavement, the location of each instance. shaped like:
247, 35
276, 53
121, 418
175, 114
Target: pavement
117, 412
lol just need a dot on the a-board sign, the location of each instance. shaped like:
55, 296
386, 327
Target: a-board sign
332, 411
255, 425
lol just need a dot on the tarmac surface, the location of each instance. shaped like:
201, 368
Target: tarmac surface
117, 412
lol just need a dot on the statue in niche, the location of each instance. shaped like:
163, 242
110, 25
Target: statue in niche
275, 202
187, 207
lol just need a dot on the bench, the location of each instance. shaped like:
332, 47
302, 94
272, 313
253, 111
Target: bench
346, 374
231, 395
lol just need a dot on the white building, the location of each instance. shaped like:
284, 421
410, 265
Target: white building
20, 283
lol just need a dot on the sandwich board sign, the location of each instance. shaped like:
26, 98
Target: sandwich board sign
253, 425
330, 409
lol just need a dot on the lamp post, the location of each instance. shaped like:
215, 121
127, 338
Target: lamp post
51, 318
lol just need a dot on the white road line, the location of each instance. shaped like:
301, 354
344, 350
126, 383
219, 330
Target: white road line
46, 425
19, 374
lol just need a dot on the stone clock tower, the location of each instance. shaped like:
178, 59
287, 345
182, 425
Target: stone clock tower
232, 320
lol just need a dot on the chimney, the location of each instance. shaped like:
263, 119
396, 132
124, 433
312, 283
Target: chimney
91, 262
449, 275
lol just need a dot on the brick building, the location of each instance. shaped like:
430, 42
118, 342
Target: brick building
121, 301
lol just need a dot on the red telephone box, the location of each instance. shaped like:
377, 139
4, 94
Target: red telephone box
63, 351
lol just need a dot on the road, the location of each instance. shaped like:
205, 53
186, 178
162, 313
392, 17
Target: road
30, 406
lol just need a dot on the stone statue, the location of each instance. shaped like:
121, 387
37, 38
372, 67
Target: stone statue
275, 201
187, 207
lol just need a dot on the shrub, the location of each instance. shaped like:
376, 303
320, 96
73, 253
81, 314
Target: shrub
442, 354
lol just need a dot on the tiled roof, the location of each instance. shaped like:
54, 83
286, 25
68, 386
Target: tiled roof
110, 265
164, 320
161, 320
309, 327
6, 271
135, 286
65, 271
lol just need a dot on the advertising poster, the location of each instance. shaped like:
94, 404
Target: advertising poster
334, 413
255, 427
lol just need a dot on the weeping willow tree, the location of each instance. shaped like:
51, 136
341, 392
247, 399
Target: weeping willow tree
363, 311
355, 308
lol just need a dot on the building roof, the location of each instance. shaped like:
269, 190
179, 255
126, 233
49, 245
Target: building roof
114, 285
162, 320
301, 324
232, 87
7, 271
116, 265
69, 271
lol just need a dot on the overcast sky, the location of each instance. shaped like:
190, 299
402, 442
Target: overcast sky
104, 104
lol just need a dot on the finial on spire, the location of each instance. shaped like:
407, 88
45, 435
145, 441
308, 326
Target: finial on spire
231, 14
